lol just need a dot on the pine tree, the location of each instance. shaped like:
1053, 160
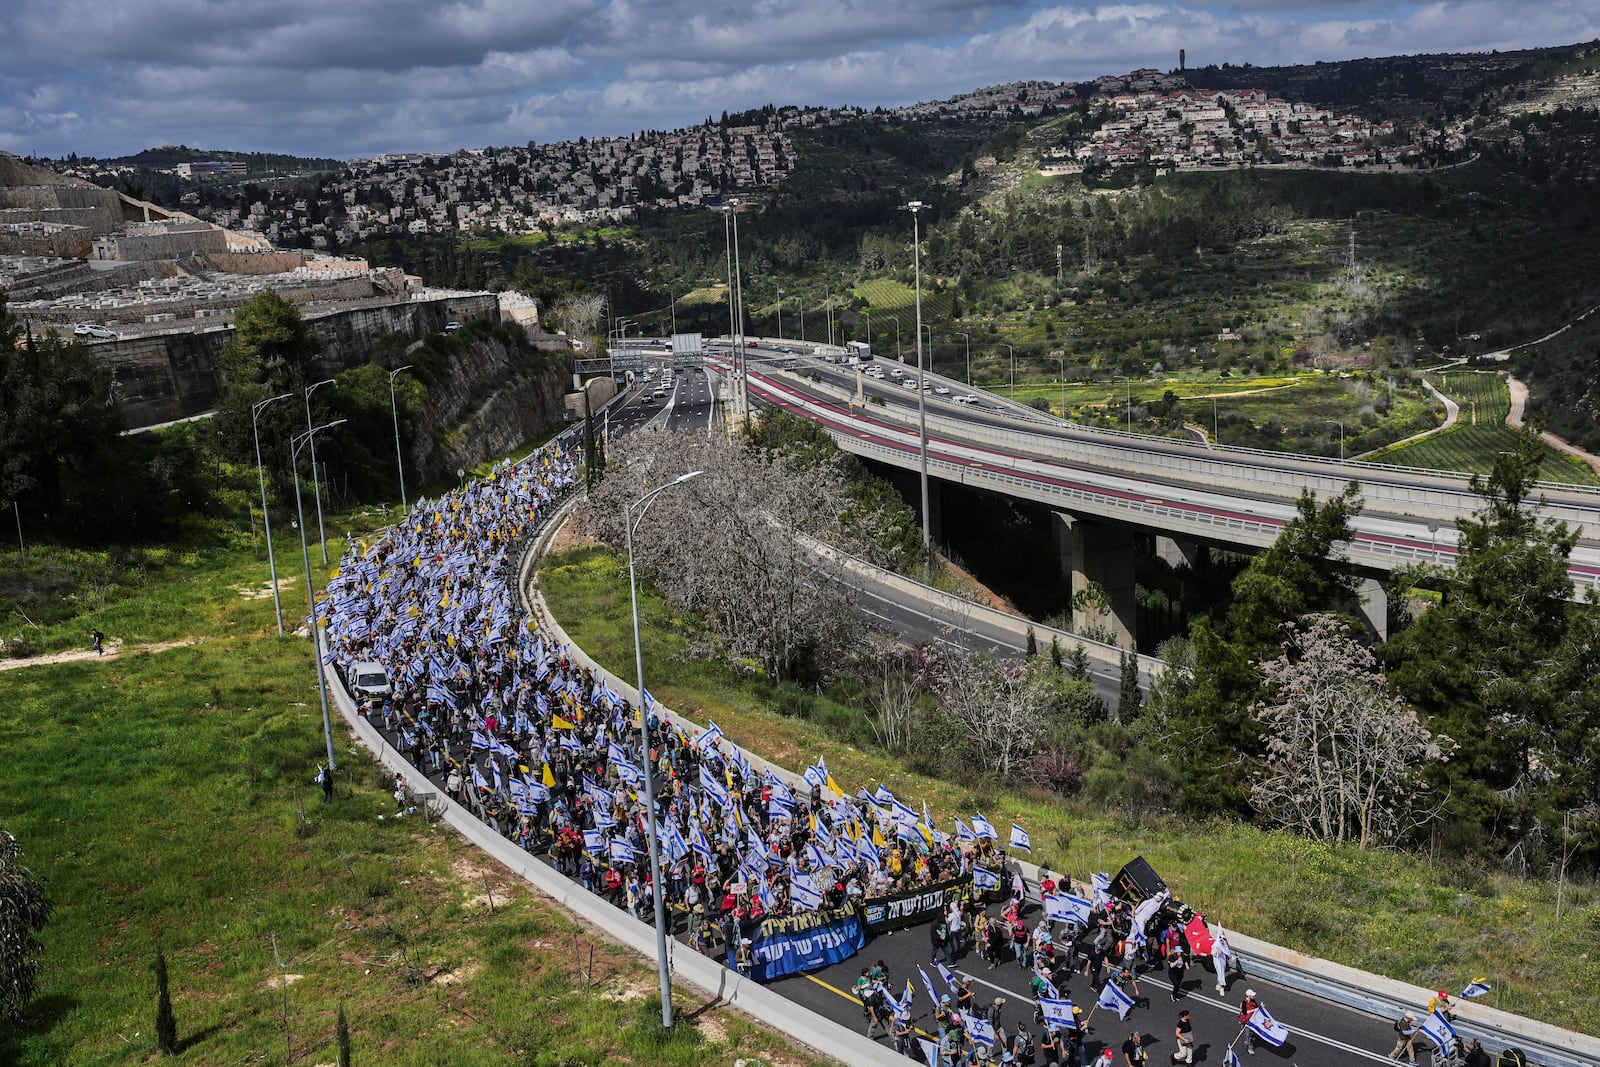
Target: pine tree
342, 1038
1129, 698
166, 1023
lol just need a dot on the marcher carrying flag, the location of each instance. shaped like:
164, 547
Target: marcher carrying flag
1266, 1027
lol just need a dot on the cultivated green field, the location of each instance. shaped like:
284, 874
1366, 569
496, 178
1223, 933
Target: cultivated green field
1480, 434
1390, 913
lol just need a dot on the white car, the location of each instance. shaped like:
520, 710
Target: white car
897, 373
451, 327
873, 372
909, 383
99, 333
966, 398
942, 390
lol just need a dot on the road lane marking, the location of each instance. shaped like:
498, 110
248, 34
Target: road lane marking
851, 997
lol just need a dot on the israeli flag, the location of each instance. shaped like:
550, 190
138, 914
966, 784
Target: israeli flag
903, 1006
867, 852
1267, 1028
930, 1051
1066, 908
778, 788
963, 831
621, 852
519, 790
677, 848
983, 880
981, 1031
779, 808
981, 827
615, 753
882, 796
815, 778
1102, 888
949, 978
1114, 999
1230, 1058
803, 894
594, 841
708, 738
628, 772
927, 983
714, 789
480, 739
904, 815
603, 819
697, 841
1019, 838
1047, 988
537, 791
1476, 988
478, 780
1437, 1028
1056, 1011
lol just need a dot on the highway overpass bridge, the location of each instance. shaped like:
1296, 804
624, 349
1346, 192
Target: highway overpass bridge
1103, 486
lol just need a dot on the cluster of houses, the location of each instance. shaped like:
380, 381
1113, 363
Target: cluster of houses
1191, 127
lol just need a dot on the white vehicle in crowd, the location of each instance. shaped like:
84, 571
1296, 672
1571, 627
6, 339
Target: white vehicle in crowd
369, 679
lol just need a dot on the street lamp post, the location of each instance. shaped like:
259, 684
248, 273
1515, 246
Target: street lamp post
742, 356
899, 353
1013, 352
399, 457
629, 524
311, 600
1216, 434
915, 207
272, 560
780, 315
1340, 424
1063, 361
800, 307
968, 336
1128, 404
316, 479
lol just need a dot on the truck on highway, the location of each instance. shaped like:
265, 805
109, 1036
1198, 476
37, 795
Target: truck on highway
857, 352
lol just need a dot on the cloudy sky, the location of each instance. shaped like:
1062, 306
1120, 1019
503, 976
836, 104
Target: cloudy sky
355, 77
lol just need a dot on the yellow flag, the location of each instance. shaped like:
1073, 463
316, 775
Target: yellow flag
560, 724
833, 785
877, 836
549, 779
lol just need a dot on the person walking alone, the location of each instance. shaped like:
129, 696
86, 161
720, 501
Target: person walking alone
1177, 963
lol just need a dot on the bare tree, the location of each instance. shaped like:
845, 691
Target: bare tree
895, 681
580, 315
1002, 705
727, 547
1342, 750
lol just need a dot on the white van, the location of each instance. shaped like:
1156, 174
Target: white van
369, 679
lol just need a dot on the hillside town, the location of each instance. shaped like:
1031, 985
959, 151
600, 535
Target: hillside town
1144, 117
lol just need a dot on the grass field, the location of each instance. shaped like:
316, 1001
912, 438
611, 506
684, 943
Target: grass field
888, 300
161, 795
1481, 434
1387, 912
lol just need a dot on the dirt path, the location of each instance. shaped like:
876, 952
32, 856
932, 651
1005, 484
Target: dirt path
1514, 419
114, 650
1452, 412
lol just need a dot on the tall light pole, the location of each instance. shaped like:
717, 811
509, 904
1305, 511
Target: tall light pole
305, 555
1063, 361
316, 479
1129, 404
629, 524
800, 307
1013, 352
741, 356
780, 316
1216, 432
899, 353
1340, 424
674, 294
272, 560
968, 336
399, 457
915, 207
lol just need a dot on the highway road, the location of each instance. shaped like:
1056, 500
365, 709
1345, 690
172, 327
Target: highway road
1161, 493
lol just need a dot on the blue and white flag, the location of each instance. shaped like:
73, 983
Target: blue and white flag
628, 772
714, 788
1019, 838
984, 880
708, 738
1437, 1028
677, 848
697, 841
1113, 998
1230, 1058
963, 831
603, 819
930, 1051
815, 778
778, 788
615, 753
621, 851
1476, 988
779, 808
481, 740
882, 796
1056, 1011
903, 1006
1047, 988
980, 1030
478, 781
927, 983
803, 894
982, 828
1267, 1028
867, 852
944, 972
594, 841
1102, 888
1066, 908
904, 814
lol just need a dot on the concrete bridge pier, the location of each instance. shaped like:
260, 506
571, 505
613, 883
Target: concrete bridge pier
1177, 554
1374, 606
1103, 555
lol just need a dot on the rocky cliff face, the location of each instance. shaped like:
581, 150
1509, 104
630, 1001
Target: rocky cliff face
496, 396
